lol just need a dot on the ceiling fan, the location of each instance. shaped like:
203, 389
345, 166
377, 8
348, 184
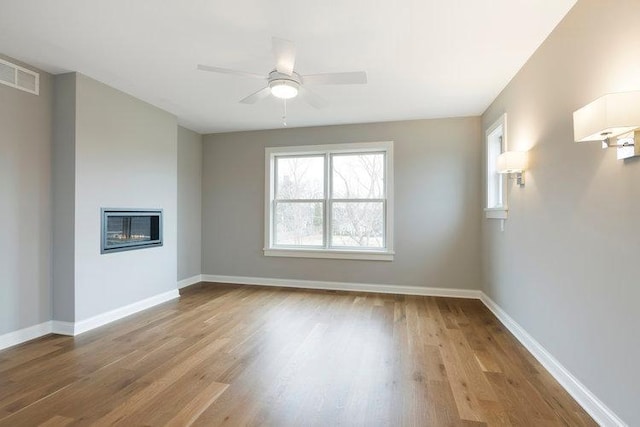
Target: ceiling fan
284, 83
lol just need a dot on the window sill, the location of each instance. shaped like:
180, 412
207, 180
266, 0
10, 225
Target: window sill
496, 213
332, 254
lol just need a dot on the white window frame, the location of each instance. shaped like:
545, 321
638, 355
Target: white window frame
496, 132
374, 254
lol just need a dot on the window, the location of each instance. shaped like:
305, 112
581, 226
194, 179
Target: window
496, 140
330, 201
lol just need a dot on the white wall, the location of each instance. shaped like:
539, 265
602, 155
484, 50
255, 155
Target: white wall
565, 268
189, 203
25, 205
437, 204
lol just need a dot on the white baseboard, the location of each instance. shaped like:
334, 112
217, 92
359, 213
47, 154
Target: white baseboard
62, 328
189, 281
73, 329
18, 337
594, 406
70, 328
344, 286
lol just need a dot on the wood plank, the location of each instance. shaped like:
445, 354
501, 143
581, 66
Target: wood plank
57, 421
240, 355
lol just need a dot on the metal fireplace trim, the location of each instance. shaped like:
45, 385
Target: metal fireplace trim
105, 213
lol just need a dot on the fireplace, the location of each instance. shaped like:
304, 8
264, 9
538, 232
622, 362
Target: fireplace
128, 229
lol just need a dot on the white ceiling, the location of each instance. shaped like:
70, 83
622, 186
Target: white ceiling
424, 58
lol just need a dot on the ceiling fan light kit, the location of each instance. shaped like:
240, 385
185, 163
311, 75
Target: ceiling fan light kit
284, 89
285, 83
283, 86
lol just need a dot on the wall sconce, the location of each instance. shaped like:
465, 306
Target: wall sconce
513, 162
613, 119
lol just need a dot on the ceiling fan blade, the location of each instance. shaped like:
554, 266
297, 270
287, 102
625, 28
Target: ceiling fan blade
312, 99
228, 71
256, 96
285, 53
350, 78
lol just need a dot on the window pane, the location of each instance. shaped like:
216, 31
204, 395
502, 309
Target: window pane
358, 176
494, 179
358, 224
299, 224
300, 177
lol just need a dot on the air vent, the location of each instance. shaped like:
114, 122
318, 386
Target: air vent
7, 74
18, 77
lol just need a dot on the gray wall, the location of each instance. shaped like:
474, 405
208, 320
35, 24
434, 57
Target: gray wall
437, 204
565, 267
110, 150
64, 188
25, 205
126, 157
189, 203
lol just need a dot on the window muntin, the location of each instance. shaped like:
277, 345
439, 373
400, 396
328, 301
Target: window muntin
329, 198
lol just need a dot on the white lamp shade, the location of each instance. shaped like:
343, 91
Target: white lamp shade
284, 89
607, 117
511, 162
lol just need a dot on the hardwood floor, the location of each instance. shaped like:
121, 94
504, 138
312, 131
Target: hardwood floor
233, 355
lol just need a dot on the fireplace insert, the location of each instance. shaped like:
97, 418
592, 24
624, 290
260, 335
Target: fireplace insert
128, 229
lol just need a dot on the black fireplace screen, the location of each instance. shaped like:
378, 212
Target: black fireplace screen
124, 230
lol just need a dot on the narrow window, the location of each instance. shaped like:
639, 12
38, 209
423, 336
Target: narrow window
496, 201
